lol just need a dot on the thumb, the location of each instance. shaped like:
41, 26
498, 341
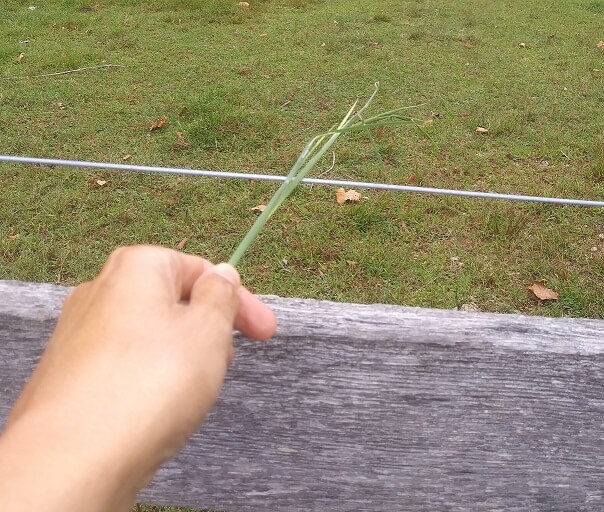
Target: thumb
215, 298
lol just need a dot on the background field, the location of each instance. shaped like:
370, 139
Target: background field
244, 89
247, 87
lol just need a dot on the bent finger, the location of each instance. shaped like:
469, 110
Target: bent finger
153, 273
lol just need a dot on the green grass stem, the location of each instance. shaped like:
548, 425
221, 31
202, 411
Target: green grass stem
311, 154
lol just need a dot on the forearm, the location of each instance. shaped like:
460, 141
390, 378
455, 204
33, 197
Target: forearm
44, 466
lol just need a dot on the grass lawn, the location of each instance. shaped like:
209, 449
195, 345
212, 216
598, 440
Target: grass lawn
244, 89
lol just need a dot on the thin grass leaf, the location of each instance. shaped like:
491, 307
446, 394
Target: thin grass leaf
314, 150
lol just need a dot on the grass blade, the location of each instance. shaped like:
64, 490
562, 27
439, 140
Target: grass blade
311, 154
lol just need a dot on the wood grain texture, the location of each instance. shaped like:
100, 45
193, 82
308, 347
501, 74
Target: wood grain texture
378, 408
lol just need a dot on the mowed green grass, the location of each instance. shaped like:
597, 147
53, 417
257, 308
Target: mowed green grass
246, 88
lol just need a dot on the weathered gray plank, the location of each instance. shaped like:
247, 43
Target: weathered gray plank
357, 407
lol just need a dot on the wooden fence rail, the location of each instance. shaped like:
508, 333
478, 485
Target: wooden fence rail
378, 408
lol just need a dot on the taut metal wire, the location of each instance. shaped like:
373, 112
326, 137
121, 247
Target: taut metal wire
314, 181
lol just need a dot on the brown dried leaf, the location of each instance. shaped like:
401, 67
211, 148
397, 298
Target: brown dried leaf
343, 196
482, 129
542, 292
20, 58
158, 124
101, 183
259, 208
244, 5
181, 245
600, 45
125, 158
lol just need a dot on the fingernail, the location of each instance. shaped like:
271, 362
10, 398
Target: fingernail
228, 272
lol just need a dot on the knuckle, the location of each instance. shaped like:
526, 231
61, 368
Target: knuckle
128, 257
125, 254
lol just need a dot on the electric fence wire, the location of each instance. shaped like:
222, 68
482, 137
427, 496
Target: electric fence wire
313, 181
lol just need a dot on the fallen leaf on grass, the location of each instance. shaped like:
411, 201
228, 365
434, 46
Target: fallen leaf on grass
20, 58
482, 129
600, 45
158, 124
181, 245
352, 196
244, 5
96, 182
125, 158
259, 208
542, 292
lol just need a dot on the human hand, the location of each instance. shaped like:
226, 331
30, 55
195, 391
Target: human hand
135, 363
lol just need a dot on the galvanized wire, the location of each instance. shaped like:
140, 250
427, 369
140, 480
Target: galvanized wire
314, 181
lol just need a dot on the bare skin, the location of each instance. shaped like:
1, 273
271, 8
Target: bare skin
136, 362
